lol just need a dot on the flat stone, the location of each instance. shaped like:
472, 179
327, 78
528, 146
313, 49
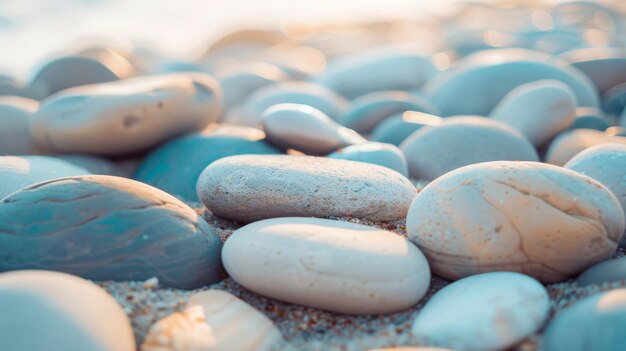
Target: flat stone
175, 167
385, 155
333, 265
306, 129
596, 322
397, 128
126, 116
254, 187
608, 271
213, 320
566, 145
15, 115
460, 141
107, 228
59, 312
545, 221
484, 312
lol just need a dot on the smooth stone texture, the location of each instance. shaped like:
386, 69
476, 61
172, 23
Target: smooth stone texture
126, 116
213, 320
461, 141
369, 110
306, 129
107, 228
605, 66
385, 155
317, 96
614, 100
333, 265
376, 70
545, 221
97, 165
567, 145
609, 271
477, 83
539, 110
396, 129
239, 84
484, 312
590, 118
68, 72
175, 166
15, 115
255, 187
596, 322
59, 312
17, 172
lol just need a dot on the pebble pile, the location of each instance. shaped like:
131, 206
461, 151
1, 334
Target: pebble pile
324, 188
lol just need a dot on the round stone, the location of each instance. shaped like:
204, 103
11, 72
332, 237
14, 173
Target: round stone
107, 228
539, 110
385, 155
596, 322
239, 84
59, 312
590, 118
397, 128
175, 167
254, 187
501, 307
213, 320
126, 116
19, 172
608, 271
461, 141
15, 115
306, 129
567, 145
545, 221
333, 265
606, 67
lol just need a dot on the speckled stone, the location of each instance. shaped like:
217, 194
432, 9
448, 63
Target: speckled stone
397, 128
608, 271
545, 221
175, 166
254, 187
595, 323
58, 312
126, 116
107, 228
385, 155
484, 312
461, 141
332, 265
566, 145
15, 115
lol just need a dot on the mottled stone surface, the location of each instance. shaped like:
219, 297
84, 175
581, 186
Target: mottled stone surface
255, 187
107, 228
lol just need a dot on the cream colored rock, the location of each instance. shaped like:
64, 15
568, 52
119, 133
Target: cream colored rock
52, 311
381, 154
306, 129
213, 320
15, 115
545, 221
126, 116
332, 265
539, 110
248, 188
568, 144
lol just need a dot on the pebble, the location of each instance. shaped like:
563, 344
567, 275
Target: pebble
475, 85
104, 227
484, 312
213, 320
377, 70
306, 129
327, 264
239, 84
545, 221
590, 118
461, 141
175, 166
59, 312
594, 323
17, 172
369, 110
608, 271
539, 110
126, 116
614, 100
566, 145
381, 154
15, 115
397, 128
605, 66
253, 187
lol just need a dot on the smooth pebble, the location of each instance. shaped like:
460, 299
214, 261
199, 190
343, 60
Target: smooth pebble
15, 115
397, 128
381, 154
566, 145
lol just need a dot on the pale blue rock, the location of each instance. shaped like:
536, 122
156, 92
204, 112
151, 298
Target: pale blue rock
397, 128
609, 271
15, 115
590, 118
381, 154
605, 66
596, 322
175, 166
238, 84
567, 144
98, 165
614, 100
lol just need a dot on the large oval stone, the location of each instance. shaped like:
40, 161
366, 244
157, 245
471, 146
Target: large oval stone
528, 217
254, 187
332, 265
107, 228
